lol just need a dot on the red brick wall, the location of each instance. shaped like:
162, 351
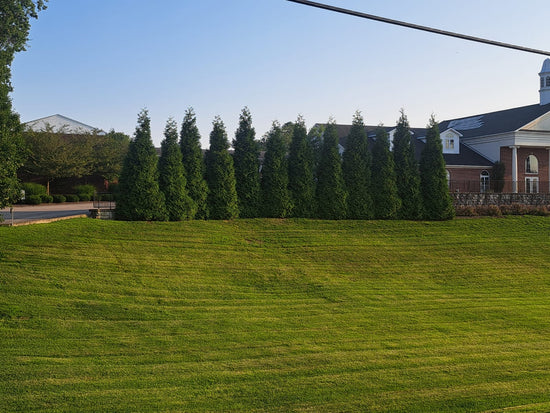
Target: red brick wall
523, 153
465, 179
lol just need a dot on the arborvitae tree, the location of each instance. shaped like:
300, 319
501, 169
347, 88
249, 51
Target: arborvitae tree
384, 188
274, 183
356, 168
193, 162
433, 177
497, 176
301, 184
247, 167
406, 171
140, 198
330, 192
220, 175
315, 139
172, 182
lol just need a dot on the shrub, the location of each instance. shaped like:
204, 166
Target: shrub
72, 198
82, 190
84, 197
489, 210
59, 199
32, 188
33, 200
465, 211
47, 199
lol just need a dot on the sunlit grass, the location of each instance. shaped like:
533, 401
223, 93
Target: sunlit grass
276, 315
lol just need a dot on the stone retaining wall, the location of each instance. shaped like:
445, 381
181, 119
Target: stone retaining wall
477, 199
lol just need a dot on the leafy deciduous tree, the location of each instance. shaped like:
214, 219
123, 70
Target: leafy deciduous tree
247, 167
172, 182
433, 177
384, 188
274, 182
193, 162
140, 198
330, 192
406, 171
220, 175
356, 168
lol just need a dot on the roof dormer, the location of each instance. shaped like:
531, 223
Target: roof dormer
450, 139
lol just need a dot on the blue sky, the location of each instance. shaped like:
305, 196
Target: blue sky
100, 62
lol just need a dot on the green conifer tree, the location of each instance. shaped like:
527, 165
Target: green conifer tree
140, 198
300, 172
193, 162
406, 171
220, 175
330, 192
172, 182
274, 182
356, 168
247, 167
433, 177
384, 188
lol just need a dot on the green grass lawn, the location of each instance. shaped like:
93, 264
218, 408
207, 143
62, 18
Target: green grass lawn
276, 315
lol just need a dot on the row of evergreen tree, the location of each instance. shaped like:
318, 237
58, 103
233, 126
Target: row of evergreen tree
298, 179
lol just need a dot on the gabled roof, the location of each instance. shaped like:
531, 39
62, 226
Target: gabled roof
493, 123
61, 124
466, 157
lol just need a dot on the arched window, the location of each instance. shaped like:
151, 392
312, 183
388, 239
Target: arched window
547, 80
484, 181
541, 82
531, 165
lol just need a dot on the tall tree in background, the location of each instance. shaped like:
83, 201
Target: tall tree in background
220, 175
247, 167
384, 188
330, 192
274, 182
172, 182
406, 171
433, 177
109, 153
15, 18
356, 168
193, 162
300, 172
140, 198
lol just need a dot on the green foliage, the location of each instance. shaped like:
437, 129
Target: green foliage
172, 182
330, 193
32, 188
33, 199
88, 190
108, 153
356, 169
11, 150
497, 176
276, 316
46, 199
140, 198
300, 172
406, 171
59, 199
220, 175
72, 198
274, 184
247, 167
433, 177
193, 162
384, 188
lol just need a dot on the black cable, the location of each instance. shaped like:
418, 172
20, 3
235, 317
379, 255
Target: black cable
418, 27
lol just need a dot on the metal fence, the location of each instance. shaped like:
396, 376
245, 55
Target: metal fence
104, 200
529, 186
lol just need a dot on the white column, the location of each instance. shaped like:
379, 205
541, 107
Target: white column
514, 169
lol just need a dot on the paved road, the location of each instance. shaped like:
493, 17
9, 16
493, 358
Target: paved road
35, 213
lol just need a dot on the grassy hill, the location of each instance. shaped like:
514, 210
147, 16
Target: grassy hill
276, 315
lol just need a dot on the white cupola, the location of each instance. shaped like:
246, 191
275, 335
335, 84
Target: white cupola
545, 83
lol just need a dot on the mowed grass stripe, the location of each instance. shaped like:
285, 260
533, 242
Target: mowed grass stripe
275, 315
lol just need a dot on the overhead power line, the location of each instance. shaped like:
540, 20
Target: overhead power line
418, 27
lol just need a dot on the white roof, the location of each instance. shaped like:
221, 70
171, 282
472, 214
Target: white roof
546, 66
61, 124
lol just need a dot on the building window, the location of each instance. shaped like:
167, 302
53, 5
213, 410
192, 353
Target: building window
484, 181
449, 144
547, 80
448, 178
541, 82
532, 185
531, 165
